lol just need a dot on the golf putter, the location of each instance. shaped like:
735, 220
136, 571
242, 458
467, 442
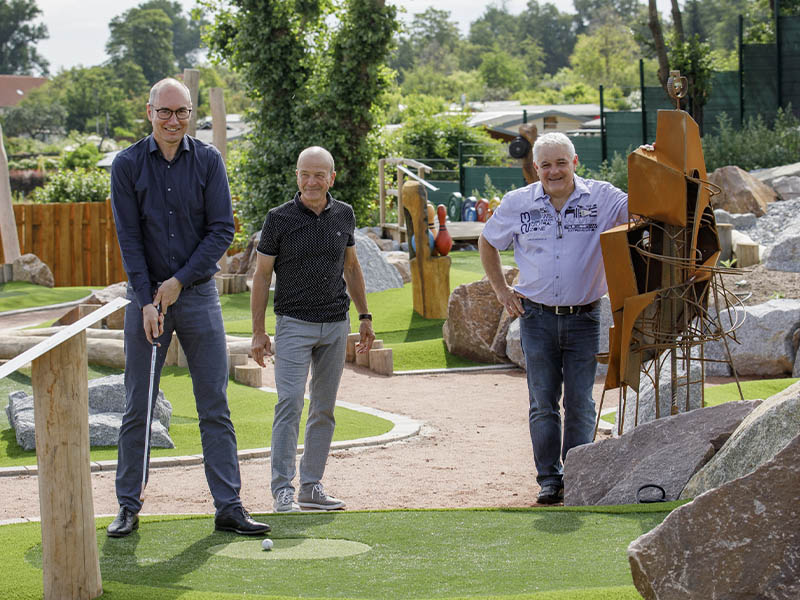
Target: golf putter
146, 458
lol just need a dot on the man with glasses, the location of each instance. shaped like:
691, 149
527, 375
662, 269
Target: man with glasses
172, 208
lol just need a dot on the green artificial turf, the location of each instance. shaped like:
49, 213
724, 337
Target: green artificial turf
16, 295
719, 394
416, 342
539, 554
251, 411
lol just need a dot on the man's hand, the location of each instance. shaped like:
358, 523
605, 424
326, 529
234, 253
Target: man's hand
167, 293
511, 301
367, 336
153, 322
261, 348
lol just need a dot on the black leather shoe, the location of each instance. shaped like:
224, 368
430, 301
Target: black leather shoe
239, 521
551, 493
126, 522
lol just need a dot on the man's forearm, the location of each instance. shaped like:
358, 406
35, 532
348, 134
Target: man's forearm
259, 298
490, 259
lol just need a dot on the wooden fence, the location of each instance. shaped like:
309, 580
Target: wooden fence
77, 240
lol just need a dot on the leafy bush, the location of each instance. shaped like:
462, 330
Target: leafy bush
755, 145
615, 172
80, 185
86, 156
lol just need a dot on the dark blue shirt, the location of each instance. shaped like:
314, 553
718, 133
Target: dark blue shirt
173, 218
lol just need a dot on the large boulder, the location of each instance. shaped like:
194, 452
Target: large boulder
473, 314
665, 452
787, 188
399, 260
739, 221
643, 410
765, 338
115, 320
106, 407
784, 253
513, 348
741, 192
741, 540
28, 267
379, 275
757, 440
768, 176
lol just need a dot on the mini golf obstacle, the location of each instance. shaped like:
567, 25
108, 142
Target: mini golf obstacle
70, 565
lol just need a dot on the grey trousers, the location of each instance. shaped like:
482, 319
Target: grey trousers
197, 319
298, 345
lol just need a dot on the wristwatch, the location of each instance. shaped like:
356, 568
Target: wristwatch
367, 316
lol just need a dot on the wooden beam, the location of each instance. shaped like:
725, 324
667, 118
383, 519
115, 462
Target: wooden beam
191, 78
8, 225
219, 120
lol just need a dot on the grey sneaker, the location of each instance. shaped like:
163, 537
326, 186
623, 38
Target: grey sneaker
284, 502
318, 499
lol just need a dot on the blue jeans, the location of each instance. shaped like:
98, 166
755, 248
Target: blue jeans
197, 319
298, 346
559, 350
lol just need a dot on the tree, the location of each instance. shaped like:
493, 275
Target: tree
40, 114
18, 38
314, 81
590, 13
553, 31
186, 31
143, 36
88, 95
607, 56
502, 73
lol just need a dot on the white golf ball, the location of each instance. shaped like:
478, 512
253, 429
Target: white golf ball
267, 544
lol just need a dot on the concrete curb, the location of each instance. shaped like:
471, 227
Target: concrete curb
20, 311
404, 427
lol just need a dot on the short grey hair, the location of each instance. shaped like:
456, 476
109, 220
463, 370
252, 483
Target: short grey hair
317, 150
553, 140
167, 82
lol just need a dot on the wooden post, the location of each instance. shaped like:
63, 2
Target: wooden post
8, 225
235, 360
352, 339
70, 564
380, 361
219, 120
248, 375
362, 358
191, 78
746, 255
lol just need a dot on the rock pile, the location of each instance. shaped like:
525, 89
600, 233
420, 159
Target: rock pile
106, 407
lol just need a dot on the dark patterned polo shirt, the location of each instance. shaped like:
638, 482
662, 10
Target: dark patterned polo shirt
309, 259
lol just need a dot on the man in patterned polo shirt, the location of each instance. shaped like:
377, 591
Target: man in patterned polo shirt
308, 242
554, 226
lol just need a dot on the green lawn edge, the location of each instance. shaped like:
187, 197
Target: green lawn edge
21, 539
19, 295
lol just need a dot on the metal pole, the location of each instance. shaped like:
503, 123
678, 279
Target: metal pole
524, 116
741, 70
779, 61
603, 143
461, 182
644, 109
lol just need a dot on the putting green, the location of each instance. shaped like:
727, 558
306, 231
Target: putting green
552, 553
290, 549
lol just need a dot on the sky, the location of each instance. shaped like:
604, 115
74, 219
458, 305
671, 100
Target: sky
79, 28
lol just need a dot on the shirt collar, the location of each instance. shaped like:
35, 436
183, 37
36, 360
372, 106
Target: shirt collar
301, 206
152, 146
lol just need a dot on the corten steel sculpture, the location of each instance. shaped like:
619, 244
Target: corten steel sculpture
662, 268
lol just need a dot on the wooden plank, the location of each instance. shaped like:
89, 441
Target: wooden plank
70, 562
76, 244
37, 246
117, 271
28, 220
63, 335
96, 231
465, 230
9, 239
63, 245
46, 234
86, 243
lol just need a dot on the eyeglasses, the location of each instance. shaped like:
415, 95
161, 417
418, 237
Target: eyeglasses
166, 113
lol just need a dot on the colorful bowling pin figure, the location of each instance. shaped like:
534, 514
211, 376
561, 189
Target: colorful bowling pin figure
444, 242
431, 215
482, 210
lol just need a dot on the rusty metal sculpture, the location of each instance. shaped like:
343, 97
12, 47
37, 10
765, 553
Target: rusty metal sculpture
662, 269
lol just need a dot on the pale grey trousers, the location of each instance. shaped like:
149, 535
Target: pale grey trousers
298, 346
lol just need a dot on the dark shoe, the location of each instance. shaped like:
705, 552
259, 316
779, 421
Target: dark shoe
239, 521
551, 493
126, 522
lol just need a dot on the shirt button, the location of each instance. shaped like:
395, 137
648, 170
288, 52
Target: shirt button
170, 212
171, 235
169, 189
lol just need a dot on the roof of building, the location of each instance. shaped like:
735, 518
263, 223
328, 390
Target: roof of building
13, 88
506, 117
